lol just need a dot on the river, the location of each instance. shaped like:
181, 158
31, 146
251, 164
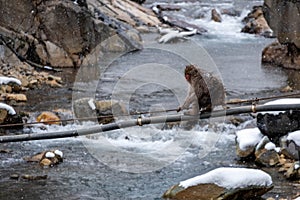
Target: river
143, 162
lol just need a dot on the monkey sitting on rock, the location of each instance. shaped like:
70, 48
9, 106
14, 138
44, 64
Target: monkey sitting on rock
205, 92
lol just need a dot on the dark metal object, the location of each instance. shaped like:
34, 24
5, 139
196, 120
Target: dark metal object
145, 121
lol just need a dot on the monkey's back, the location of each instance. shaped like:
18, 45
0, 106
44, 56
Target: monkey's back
208, 89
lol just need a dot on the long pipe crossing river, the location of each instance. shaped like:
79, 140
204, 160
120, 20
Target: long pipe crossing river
148, 120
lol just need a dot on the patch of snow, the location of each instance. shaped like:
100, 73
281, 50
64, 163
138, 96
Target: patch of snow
5, 80
231, 178
278, 149
59, 153
91, 104
281, 102
297, 166
294, 136
248, 137
262, 143
49, 155
270, 146
10, 109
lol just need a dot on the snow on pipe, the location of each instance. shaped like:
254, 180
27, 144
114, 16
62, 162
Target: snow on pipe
145, 121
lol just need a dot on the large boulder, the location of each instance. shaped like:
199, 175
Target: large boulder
277, 124
255, 23
87, 109
283, 18
280, 55
58, 33
223, 184
246, 141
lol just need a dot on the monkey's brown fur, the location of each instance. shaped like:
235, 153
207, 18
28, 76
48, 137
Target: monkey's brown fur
205, 92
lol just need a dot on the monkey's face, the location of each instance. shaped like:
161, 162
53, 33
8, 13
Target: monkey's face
188, 77
189, 71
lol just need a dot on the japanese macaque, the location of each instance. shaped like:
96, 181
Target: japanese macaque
205, 91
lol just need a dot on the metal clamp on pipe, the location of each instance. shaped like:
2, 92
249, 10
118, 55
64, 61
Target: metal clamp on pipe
253, 108
139, 121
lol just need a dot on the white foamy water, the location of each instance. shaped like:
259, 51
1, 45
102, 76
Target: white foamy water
147, 148
227, 30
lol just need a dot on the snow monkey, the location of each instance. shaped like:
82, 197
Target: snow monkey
205, 91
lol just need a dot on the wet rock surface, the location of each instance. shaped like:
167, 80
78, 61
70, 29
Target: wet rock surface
277, 125
283, 55
62, 33
255, 23
104, 112
283, 18
207, 189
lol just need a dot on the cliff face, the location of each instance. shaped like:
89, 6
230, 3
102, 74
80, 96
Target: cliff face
63, 33
283, 16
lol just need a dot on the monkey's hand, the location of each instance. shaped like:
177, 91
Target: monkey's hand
179, 109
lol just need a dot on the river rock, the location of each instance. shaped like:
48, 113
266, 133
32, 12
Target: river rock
255, 23
231, 12
9, 116
3, 115
106, 110
34, 177
245, 153
293, 171
205, 191
246, 141
266, 157
48, 118
277, 125
216, 16
47, 158
16, 97
265, 153
279, 55
214, 192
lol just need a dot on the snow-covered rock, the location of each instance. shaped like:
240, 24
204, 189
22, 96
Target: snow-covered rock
246, 140
49, 155
265, 153
6, 80
223, 183
295, 137
276, 124
9, 109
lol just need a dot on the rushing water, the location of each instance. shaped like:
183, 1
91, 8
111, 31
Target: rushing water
143, 162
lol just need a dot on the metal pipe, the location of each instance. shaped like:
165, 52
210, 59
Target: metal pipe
145, 121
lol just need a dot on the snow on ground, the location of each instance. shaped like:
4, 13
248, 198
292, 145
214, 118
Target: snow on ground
6, 80
248, 137
294, 136
231, 178
270, 146
10, 109
281, 102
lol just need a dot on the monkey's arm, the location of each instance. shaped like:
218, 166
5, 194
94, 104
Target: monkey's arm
191, 97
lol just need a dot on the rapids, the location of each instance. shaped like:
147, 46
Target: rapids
143, 162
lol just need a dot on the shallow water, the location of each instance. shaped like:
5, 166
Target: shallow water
143, 162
